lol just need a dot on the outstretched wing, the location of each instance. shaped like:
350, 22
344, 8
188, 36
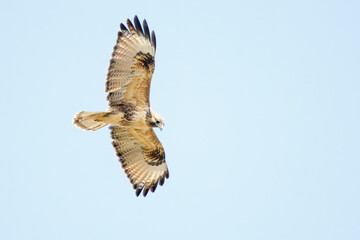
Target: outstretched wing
131, 66
142, 157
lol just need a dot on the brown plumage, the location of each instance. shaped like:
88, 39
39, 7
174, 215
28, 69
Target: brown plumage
128, 85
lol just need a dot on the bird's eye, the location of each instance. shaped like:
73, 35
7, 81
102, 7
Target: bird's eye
157, 121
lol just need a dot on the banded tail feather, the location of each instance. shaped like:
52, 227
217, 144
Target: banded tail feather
89, 120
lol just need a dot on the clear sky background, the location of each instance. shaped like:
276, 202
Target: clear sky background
261, 104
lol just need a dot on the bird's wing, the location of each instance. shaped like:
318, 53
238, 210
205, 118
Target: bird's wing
142, 157
131, 66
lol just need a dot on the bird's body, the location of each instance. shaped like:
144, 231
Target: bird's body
128, 86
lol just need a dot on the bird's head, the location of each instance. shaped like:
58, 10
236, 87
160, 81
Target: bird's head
155, 120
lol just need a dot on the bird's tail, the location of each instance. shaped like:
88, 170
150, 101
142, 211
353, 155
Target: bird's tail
89, 120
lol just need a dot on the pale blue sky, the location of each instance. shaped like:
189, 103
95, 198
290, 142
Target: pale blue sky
261, 105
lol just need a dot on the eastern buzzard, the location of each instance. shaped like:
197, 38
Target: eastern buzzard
128, 85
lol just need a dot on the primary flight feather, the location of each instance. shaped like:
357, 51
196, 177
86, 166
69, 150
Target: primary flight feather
128, 81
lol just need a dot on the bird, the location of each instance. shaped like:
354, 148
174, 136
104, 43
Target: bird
129, 115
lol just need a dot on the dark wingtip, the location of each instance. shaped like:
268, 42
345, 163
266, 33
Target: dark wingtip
138, 191
153, 187
167, 174
162, 179
132, 180
130, 26
139, 29
123, 28
146, 30
145, 192
153, 39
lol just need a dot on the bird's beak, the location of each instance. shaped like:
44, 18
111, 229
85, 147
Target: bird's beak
161, 126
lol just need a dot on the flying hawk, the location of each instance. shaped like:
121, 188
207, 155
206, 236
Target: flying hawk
132, 120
